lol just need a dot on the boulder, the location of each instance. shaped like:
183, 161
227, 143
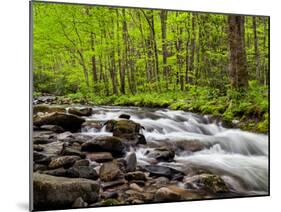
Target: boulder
131, 162
126, 129
124, 116
52, 192
99, 156
137, 175
63, 161
79, 203
210, 182
66, 121
44, 108
162, 154
158, 171
166, 195
104, 144
109, 171
85, 111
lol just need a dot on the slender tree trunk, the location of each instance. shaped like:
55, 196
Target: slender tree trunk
94, 65
257, 57
163, 17
193, 43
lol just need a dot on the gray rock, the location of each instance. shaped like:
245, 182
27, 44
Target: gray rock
104, 144
166, 195
131, 162
63, 161
86, 111
109, 171
79, 203
137, 175
52, 192
156, 170
66, 121
100, 156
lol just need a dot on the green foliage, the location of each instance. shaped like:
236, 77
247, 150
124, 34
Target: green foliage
73, 43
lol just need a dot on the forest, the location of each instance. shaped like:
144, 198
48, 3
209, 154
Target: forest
206, 63
135, 106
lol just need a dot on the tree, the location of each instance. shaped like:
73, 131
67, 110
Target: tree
237, 71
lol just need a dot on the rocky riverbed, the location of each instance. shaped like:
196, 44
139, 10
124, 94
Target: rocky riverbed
94, 156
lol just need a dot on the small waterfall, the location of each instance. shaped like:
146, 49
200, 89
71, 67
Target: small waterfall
239, 157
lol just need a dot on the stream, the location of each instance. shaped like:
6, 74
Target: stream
240, 158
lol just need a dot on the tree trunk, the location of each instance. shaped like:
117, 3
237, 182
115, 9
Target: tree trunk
256, 49
163, 17
237, 70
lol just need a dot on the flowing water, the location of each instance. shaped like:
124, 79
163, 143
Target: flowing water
239, 157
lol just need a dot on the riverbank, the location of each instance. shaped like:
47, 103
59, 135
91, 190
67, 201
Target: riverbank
248, 112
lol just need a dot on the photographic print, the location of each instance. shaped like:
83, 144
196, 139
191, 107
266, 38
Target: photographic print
136, 105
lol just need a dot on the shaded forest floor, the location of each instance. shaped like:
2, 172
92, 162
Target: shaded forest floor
247, 110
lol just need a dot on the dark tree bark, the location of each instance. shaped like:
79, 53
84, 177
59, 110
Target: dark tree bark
257, 57
237, 70
163, 17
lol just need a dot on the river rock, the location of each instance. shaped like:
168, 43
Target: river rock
72, 151
137, 175
82, 162
82, 172
43, 140
109, 171
44, 108
136, 187
63, 161
59, 172
104, 144
156, 170
131, 162
52, 192
189, 145
126, 128
39, 167
66, 121
110, 184
44, 99
100, 156
79, 203
41, 158
38, 148
124, 116
166, 195
86, 111
53, 128
211, 182
162, 154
